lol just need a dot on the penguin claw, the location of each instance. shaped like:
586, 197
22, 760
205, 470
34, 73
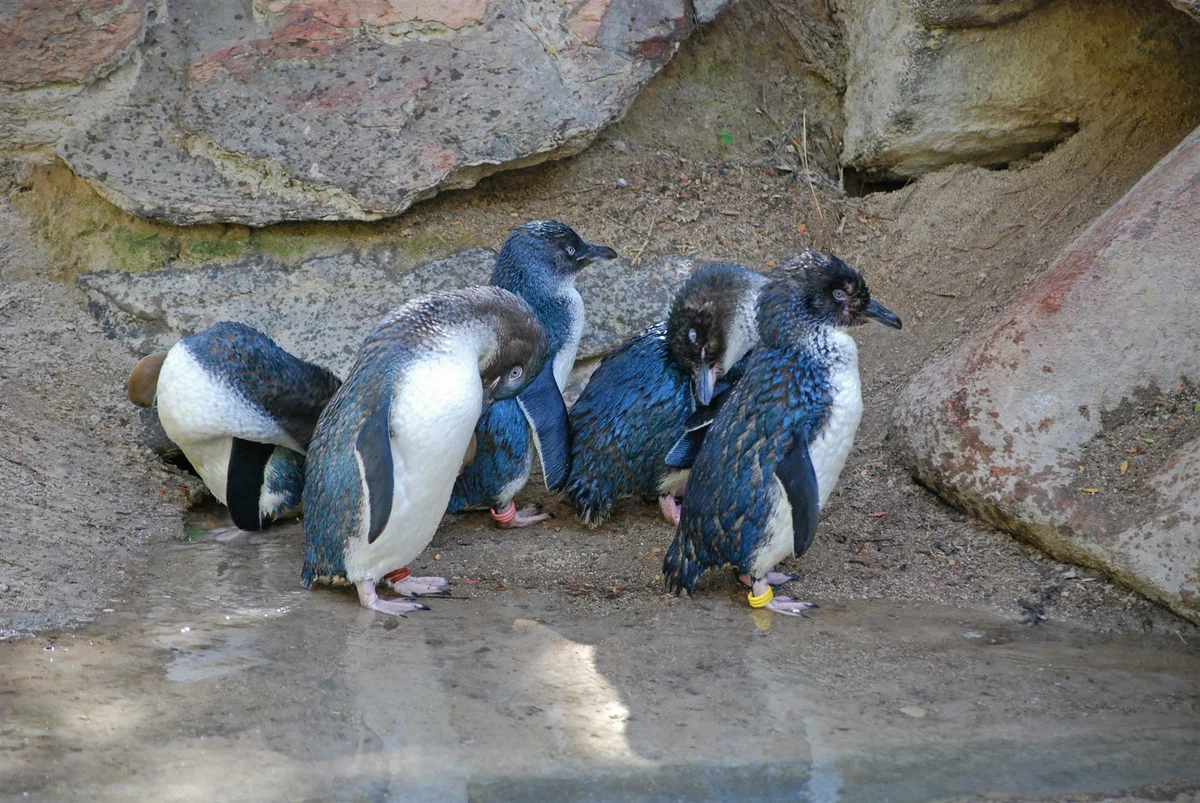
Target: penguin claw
790, 607
421, 587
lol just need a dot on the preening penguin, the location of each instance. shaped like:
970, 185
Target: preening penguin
388, 446
635, 405
242, 410
776, 448
538, 262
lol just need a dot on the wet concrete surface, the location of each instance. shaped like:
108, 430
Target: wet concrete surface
224, 679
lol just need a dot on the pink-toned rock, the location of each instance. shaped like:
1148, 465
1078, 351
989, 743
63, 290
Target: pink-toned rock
66, 41
1001, 427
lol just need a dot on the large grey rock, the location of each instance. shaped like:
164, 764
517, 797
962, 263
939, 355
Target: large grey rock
320, 109
1191, 7
936, 82
1003, 426
321, 309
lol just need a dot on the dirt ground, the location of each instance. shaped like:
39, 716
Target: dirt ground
699, 166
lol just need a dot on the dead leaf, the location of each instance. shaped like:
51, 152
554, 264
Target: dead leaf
1134, 450
1090, 490
877, 515
862, 220
1124, 466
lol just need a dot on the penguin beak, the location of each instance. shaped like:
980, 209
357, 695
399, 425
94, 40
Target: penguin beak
593, 253
488, 390
881, 314
706, 382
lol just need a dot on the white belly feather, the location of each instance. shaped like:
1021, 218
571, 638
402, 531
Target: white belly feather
564, 360
828, 452
434, 410
202, 414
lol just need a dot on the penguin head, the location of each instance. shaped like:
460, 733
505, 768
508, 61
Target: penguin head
700, 325
834, 294
143, 381
520, 350
545, 251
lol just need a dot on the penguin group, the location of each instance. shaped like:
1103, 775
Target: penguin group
736, 413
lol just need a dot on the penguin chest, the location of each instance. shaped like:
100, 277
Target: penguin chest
202, 413
432, 418
778, 541
564, 359
831, 447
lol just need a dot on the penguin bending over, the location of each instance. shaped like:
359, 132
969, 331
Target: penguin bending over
634, 408
242, 410
387, 448
538, 262
776, 448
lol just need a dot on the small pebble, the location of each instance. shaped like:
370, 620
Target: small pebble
916, 712
622, 183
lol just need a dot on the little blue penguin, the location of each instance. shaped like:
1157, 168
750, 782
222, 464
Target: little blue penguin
538, 262
776, 448
634, 407
388, 446
242, 410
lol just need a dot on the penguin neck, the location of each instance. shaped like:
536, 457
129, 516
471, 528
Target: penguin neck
832, 347
742, 329
556, 304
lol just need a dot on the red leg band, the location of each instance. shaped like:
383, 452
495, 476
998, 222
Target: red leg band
508, 515
396, 576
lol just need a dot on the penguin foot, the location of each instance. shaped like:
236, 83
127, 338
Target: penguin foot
393, 607
772, 578
510, 518
669, 506
790, 607
761, 596
229, 533
422, 587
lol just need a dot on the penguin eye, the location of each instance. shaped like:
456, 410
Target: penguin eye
839, 296
570, 250
692, 336
516, 373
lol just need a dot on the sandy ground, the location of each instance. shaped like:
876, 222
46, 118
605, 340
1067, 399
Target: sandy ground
946, 252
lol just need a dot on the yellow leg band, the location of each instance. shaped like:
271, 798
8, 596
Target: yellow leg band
761, 600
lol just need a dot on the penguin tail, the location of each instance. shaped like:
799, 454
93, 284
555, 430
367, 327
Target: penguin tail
680, 568
591, 507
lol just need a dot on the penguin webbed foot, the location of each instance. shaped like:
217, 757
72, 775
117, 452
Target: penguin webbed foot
392, 607
790, 607
421, 586
511, 518
669, 506
762, 596
227, 534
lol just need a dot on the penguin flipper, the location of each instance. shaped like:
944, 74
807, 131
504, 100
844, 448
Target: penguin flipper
244, 481
799, 480
684, 452
374, 449
544, 408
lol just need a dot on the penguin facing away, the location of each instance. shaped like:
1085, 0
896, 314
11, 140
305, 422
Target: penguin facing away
776, 448
242, 410
538, 262
387, 448
634, 407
